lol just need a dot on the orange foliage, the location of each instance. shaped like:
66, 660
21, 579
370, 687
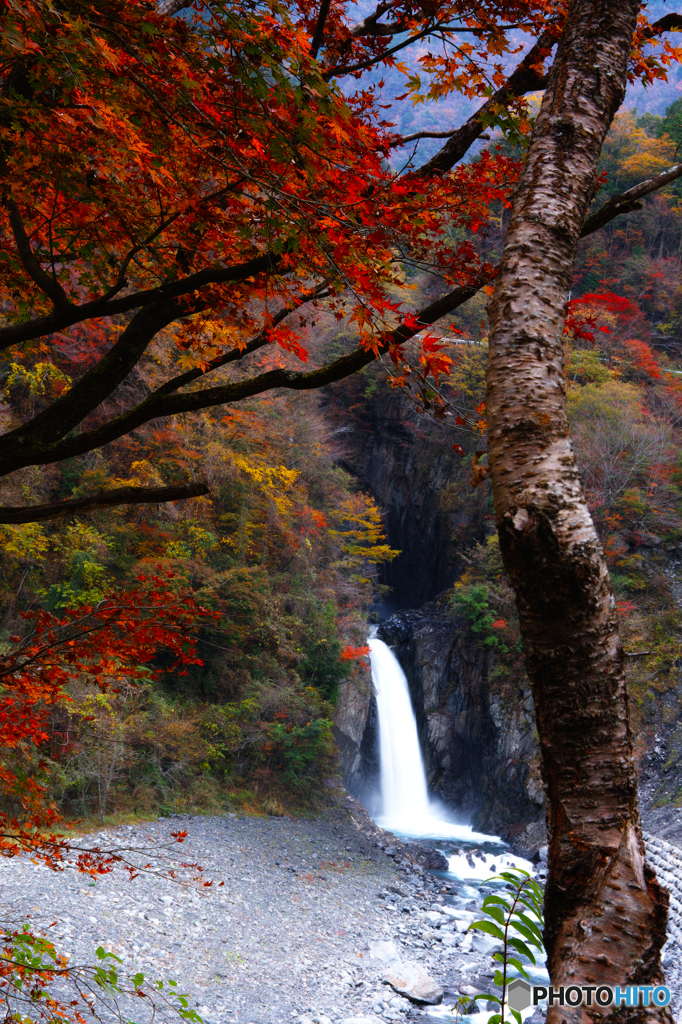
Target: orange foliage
354, 653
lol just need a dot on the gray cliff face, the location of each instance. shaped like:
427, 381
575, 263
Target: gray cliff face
477, 735
477, 731
430, 512
355, 730
408, 489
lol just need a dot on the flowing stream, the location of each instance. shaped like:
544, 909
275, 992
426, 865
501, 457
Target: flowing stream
409, 812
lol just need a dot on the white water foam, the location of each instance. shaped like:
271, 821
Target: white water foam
407, 809
484, 866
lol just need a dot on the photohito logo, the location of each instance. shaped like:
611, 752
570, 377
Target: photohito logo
521, 995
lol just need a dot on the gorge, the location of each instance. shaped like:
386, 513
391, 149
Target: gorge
473, 706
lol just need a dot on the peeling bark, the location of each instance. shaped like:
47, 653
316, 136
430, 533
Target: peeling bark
605, 911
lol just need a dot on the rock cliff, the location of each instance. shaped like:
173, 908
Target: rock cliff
408, 464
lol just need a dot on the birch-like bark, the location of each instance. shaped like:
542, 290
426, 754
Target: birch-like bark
605, 911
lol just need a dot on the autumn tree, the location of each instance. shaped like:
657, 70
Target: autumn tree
217, 175
148, 182
106, 646
606, 912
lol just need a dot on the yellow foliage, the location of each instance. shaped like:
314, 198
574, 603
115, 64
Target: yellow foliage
584, 366
468, 372
26, 543
44, 379
630, 155
361, 533
272, 480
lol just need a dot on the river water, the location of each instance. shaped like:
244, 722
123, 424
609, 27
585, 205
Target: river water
407, 810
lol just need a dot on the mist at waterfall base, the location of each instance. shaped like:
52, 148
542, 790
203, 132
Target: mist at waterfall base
404, 806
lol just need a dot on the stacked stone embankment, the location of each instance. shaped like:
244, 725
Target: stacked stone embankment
666, 859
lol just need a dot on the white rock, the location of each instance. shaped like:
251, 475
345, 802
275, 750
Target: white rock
411, 980
385, 951
459, 915
371, 1019
485, 943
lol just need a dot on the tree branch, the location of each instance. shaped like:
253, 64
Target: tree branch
258, 341
370, 26
16, 452
98, 383
48, 285
628, 201
669, 23
340, 72
102, 499
170, 7
86, 394
60, 319
404, 139
319, 28
524, 79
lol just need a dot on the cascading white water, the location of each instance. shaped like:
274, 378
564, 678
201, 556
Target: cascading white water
403, 779
406, 807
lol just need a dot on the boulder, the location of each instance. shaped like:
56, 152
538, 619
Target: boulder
432, 860
411, 980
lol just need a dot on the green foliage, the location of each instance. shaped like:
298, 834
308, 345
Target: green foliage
514, 915
320, 664
472, 601
285, 552
670, 124
298, 752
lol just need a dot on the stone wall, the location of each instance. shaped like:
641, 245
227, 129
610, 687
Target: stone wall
666, 859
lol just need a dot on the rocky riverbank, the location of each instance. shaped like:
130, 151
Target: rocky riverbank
311, 919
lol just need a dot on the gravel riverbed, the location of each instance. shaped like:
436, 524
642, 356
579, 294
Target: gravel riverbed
303, 930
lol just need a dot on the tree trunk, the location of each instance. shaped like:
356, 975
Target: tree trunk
605, 912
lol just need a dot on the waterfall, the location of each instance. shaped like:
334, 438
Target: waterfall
406, 807
403, 779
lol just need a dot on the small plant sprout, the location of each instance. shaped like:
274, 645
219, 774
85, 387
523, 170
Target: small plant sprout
515, 918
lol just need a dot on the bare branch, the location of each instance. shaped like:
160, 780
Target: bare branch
340, 72
669, 23
370, 26
319, 28
102, 499
170, 7
403, 139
